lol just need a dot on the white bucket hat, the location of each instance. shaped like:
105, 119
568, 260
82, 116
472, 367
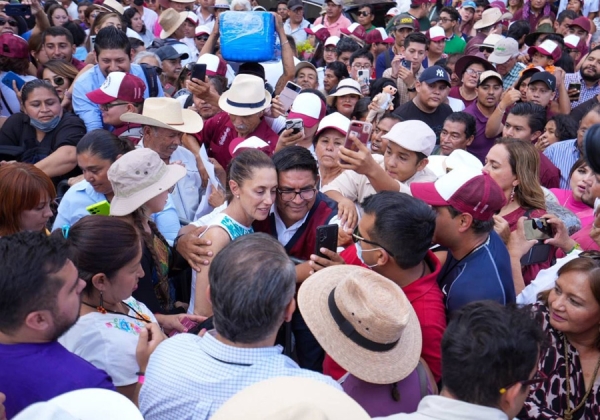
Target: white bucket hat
139, 176
166, 113
246, 96
345, 87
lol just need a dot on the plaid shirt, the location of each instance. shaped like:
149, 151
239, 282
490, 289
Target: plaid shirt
586, 93
512, 76
402, 88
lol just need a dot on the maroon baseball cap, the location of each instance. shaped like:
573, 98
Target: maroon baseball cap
319, 31
467, 190
13, 46
356, 30
378, 35
583, 23
119, 85
548, 48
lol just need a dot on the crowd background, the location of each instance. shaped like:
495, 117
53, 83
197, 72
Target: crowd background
163, 203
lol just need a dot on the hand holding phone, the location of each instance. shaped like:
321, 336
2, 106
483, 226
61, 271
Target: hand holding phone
295, 124
359, 129
327, 237
289, 94
574, 91
538, 229
198, 71
9, 77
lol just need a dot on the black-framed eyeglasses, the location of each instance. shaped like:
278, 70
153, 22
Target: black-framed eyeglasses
536, 382
290, 195
11, 22
202, 38
106, 107
356, 236
331, 49
486, 49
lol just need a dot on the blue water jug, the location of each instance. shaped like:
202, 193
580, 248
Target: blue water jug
247, 36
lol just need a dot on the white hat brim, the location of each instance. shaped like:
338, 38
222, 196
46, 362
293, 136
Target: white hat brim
192, 122
242, 111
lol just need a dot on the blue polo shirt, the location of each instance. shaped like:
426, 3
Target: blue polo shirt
484, 274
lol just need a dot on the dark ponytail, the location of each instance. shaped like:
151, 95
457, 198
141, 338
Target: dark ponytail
104, 144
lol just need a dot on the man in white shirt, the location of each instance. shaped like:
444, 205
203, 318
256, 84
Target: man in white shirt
206, 13
489, 361
296, 23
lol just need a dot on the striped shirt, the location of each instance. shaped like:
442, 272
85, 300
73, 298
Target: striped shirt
586, 92
563, 155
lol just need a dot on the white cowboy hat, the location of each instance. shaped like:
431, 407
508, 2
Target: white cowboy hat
166, 113
246, 96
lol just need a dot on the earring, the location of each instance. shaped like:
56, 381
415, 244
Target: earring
512, 195
237, 196
101, 307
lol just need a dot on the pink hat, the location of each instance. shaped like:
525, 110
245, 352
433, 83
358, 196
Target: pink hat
355, 29
320, 31
119, 85
13, 46
436, 33
465, 189
215, 66
334, 121
309, 107
583, 23
547, 48
378, 35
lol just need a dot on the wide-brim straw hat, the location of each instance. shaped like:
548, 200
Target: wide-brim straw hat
246, 96
139, 176
170, 20
166, 113
364, 321
291, 397
491, 17
345, 87
112, 6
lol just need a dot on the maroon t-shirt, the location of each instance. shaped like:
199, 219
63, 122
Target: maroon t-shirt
455, 93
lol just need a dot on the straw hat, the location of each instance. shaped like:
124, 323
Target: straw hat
170, 20
112, 6
246, 96
345, 87
166, 113
291, 398
490, 17
139, 176
363, 321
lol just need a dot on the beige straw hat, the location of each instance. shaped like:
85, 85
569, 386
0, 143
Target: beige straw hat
246, 96
345, 87
112, 6
166, 113
364, 321
290, 398
170, 20
139, 176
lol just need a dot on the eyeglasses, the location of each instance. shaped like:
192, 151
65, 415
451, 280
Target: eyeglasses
361, 66
446, 20
331, 49
486, 49
538, 379
356, 237
11, 22
106, 107
290, 195
571, 50
364, 14
202, 38
472, 72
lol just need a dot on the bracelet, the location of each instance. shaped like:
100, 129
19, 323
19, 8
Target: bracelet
500, 108
283, 43
141, 376
576, 246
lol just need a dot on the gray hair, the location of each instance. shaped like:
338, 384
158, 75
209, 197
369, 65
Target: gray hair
252, 282
144, 54
244, 3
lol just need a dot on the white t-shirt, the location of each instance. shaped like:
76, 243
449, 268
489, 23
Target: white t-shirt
72, 11
108, 341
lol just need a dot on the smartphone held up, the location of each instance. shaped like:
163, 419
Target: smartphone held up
361, 130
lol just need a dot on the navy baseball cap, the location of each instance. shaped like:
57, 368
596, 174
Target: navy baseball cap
547, 78
434, 74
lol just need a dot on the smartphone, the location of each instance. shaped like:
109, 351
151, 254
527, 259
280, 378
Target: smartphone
537, 254
406, 64
199, 71
575, 85
537, 229
102, 208
17, 10
296, 124
92, 42
360, 129
199, 326
327, 237
289, 94
9, 77
187, 323
363, 80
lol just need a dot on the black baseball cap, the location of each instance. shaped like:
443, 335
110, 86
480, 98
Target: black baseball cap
544, 76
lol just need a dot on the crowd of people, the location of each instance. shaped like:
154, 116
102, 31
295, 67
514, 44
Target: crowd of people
395, 217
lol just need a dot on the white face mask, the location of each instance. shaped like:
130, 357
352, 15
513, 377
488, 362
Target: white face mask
359, 252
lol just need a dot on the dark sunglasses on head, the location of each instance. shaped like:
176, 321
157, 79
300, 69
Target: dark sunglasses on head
202, 37
11, 22
486, 49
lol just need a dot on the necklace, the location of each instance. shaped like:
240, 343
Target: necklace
462, 93
569, 412
139, 316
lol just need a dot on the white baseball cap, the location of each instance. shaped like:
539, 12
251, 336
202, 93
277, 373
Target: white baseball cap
572, 41
436, 33
393, 11
202, 30
504, 50
335, 121
333, 40
308, 107
421, 138
215, 65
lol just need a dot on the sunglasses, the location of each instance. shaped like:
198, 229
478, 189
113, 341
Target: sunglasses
11, 22
364, 14
157, 69
202, 38
486, 49
58, 80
